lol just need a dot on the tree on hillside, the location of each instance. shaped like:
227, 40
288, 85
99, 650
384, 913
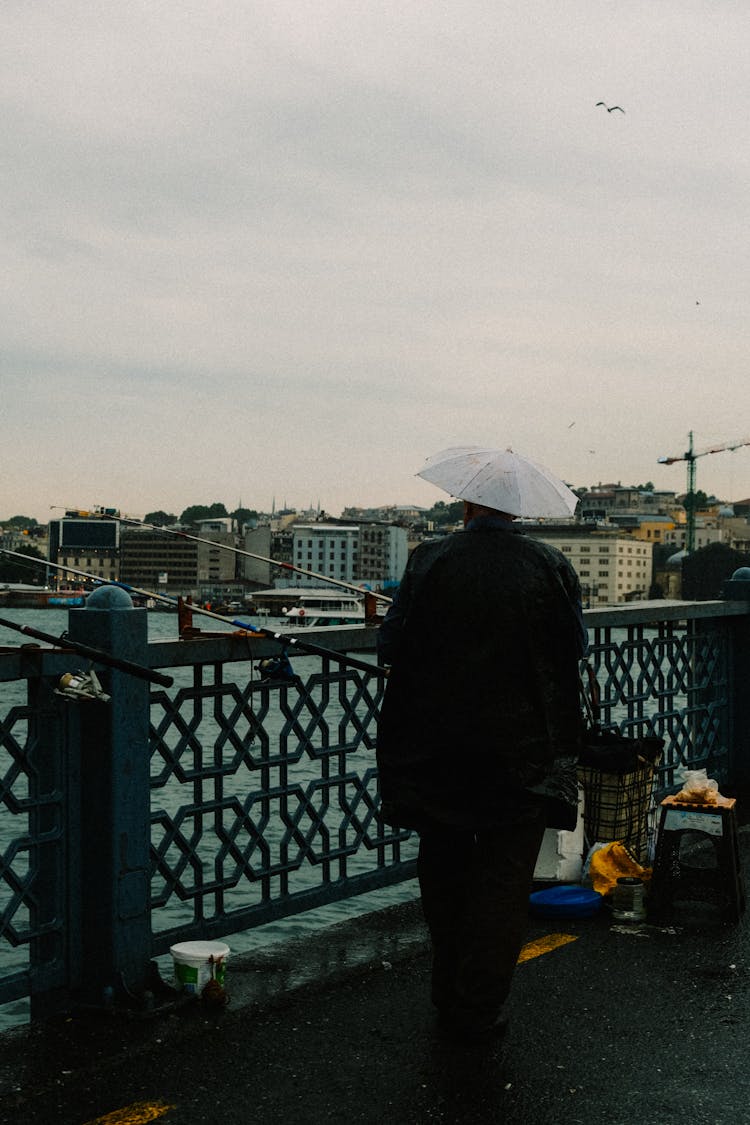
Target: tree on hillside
197, 512
14, 570
244, 516
160, 519
20, 521
442, 513
696, 500
705, 570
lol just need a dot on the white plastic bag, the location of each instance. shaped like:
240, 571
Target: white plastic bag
699, 788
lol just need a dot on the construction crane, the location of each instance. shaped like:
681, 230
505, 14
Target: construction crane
691, 456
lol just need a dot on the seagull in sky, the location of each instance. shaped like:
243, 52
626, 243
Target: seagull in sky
611, 108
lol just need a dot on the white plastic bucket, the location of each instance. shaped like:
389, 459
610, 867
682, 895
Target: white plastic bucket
197, 962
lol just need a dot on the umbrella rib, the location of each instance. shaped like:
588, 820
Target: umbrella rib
472, 479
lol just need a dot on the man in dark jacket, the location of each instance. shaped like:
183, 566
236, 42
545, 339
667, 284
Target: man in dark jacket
477, 742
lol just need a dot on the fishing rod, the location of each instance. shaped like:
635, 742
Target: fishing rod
282, 638
95, 654
108, 513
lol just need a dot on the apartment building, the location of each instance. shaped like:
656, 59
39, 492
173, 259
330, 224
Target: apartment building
258, 571
331, 550
704, 536
612, 568
156, 560
383, 553
92, 545
372, 553
605, 501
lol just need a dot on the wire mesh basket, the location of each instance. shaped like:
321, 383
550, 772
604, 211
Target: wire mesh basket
617, 772
617, 806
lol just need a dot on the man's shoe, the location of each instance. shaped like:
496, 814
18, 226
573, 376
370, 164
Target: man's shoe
453, 1030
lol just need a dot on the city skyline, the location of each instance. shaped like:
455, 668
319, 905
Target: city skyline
58, 511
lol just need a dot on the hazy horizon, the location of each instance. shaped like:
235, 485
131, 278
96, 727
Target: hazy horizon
281, 505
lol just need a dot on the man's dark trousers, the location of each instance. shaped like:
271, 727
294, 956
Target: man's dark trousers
475, 886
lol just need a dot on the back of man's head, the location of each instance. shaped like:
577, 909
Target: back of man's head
472, 511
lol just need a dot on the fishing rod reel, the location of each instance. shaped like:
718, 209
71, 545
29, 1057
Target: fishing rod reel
276, 669
81, 685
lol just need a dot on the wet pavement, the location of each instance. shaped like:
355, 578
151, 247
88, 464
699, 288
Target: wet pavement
620, 1024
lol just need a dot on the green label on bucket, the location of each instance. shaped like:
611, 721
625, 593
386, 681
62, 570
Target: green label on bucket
194, 977
186, 976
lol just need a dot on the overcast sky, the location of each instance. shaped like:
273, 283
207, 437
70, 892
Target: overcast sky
256, 250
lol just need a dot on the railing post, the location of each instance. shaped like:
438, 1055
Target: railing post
52, 778
115, 945
737, 588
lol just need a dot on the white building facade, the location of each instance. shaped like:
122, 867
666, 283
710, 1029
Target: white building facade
371, 553
704, 536
331, 550
612, 569
383, 553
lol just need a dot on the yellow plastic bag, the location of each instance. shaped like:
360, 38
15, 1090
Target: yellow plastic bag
611, 862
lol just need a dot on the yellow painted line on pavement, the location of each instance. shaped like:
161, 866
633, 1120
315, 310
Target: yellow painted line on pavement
139, 1113
544, 945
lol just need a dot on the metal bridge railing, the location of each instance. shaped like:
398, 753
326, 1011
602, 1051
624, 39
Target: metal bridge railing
264, 795
227, 800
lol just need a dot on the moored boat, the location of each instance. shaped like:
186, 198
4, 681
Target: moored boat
316, 608
20, 596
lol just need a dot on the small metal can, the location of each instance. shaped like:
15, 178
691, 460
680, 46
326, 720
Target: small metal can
628, 897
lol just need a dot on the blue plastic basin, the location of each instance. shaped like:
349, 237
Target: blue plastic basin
566, 901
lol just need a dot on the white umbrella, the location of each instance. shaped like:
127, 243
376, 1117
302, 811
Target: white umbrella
500, 479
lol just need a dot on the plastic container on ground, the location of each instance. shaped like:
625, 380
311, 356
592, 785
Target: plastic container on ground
560, 857
198, 962
565, 902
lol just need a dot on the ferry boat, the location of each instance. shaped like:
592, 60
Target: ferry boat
325, 607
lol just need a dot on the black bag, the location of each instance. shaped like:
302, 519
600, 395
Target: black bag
611, 751
605, 747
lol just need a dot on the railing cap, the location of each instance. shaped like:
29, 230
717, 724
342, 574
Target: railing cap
109, 597
737, 587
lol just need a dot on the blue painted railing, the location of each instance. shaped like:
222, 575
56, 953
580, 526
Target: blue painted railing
226, 801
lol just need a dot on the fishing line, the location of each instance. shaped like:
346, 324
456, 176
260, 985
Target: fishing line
26, 562
283, 639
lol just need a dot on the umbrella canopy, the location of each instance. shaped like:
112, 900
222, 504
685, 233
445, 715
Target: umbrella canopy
500, 479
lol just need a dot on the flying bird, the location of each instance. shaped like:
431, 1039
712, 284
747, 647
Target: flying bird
610, 108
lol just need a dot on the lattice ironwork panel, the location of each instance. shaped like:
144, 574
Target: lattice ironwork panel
264, 791
672, 680
32, 841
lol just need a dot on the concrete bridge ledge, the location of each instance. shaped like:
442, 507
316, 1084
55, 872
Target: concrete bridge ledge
270, 975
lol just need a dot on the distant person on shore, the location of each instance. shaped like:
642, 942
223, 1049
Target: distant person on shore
480, 726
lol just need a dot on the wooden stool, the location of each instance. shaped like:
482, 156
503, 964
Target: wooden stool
676, 878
